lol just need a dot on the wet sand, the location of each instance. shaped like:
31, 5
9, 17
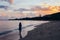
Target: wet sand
15, 34
46, 31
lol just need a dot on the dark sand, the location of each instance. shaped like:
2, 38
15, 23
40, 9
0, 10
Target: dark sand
46, 31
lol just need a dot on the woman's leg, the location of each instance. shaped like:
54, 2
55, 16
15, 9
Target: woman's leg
20, 34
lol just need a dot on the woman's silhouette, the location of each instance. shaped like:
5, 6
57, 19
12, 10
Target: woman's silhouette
20, 29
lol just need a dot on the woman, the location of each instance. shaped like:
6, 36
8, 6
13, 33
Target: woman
20, 29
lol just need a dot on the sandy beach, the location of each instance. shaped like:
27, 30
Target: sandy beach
45, 31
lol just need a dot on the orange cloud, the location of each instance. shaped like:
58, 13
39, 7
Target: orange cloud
3, 14
11, 1
47, 11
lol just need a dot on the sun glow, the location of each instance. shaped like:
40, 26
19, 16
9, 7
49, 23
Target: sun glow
48, 9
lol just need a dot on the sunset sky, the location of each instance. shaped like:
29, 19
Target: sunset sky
52, 6
27, 3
